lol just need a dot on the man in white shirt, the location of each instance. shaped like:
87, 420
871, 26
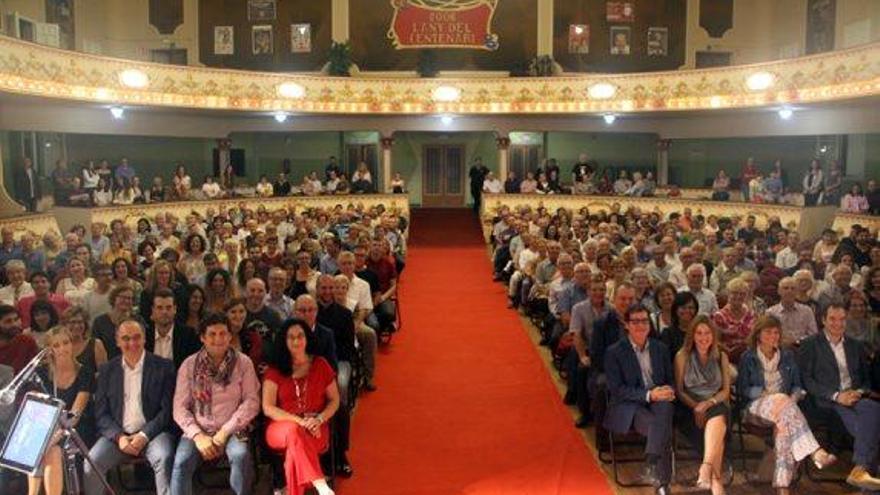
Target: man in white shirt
696, 276
133, 404
788, 257
492, 184
678, 274
359, 291
275, 298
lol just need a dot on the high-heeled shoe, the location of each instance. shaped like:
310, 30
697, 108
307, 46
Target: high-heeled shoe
705, 483
822, 459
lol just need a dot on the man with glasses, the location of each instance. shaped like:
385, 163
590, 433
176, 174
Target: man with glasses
133, 406
639, 375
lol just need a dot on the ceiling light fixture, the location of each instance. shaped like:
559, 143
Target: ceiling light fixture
446, 94
760, 81
117, 112
291, 90
609, 118
280, 117
785, 113
134, 78
447, 119
601, 91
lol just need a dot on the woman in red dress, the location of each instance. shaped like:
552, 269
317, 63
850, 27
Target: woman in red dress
299, 398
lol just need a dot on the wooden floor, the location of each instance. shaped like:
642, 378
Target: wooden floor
686, 470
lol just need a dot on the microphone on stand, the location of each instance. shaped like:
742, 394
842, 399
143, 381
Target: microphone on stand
10, 391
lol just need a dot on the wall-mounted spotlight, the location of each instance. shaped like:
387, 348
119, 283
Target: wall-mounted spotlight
280, 117
609, 118
447, 119
785, 113
117, 112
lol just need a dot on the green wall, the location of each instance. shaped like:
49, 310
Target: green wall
6, 159
406, 155
617, 151
872, 156
694, 161
307, 151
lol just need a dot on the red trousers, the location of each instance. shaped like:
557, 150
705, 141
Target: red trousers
301, 451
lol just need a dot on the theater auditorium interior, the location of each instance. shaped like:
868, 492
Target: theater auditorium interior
439, 247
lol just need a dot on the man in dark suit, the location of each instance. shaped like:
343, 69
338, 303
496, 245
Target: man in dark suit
639, 374
164, 337
836, 375
27, 185
133, 406
340, 321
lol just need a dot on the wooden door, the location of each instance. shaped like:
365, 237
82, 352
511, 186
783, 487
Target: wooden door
443, 175
525, 158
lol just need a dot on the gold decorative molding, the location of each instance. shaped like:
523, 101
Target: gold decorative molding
37, 224
31, 69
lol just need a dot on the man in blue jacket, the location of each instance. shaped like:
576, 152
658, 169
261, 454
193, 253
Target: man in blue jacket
836, 375
133, 405
638, 370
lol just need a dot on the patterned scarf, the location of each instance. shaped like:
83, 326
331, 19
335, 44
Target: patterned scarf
205, 374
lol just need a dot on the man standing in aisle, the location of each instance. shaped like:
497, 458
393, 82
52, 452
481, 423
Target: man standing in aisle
477, 175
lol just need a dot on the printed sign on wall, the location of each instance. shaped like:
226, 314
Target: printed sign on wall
443, 24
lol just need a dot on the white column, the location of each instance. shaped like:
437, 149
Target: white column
503, 144
387, 142
663, 161
545, 27
339, 24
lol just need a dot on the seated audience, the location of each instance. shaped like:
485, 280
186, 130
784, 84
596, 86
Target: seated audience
836, 375
216, 398
18, 287
797, 320
735, 320
641, 392
73, 384
133, 407
164, 337
769, 384
702, 382
105, 326
854, 201
43, 318
299, 397
88, 350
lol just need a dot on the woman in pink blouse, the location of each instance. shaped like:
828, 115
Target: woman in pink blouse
735, 320
854, 201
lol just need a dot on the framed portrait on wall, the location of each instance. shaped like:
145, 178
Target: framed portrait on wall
620, 40
658, 41
579, 38
300, 38
620, 12
223, 40
262, 40
261, 10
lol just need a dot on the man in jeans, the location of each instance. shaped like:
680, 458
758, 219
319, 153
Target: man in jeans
217, 397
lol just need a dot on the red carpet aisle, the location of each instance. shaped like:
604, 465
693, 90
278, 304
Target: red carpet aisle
464, 404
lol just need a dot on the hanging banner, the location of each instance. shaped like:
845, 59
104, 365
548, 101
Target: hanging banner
443, 24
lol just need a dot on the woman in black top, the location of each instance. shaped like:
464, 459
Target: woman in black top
73, 383
87, 350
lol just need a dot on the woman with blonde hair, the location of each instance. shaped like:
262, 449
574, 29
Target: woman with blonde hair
702, 381
769, 386
87, 350
72, 383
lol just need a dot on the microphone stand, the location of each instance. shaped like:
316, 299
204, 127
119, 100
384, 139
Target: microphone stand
71, 444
